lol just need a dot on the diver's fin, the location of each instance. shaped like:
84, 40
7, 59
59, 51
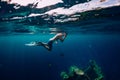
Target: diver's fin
31, 44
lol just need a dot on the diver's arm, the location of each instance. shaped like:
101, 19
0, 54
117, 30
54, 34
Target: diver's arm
63, 38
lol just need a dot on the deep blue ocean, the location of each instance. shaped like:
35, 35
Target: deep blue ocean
20, 62
90, 38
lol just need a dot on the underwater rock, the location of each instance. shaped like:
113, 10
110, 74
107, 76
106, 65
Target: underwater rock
92, 72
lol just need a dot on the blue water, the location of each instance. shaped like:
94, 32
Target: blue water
94, 36
20, 62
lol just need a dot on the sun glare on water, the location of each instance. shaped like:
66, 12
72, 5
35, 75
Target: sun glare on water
41, 3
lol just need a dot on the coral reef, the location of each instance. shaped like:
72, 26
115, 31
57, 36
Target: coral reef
92, 72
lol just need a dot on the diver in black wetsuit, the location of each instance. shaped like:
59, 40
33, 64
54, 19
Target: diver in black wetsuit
48, 46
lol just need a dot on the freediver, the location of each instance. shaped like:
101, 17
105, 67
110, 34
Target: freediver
59, 36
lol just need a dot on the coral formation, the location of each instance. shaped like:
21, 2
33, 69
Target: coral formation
92, 72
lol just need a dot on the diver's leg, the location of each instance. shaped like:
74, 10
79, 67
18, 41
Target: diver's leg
39, 43
48, 47
50, 44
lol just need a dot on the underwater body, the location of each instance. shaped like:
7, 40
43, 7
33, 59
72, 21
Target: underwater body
91, 35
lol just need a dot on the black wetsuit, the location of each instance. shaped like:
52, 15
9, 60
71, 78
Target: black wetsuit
50, 44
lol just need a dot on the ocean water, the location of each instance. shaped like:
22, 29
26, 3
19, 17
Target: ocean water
20, 62
89, 39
